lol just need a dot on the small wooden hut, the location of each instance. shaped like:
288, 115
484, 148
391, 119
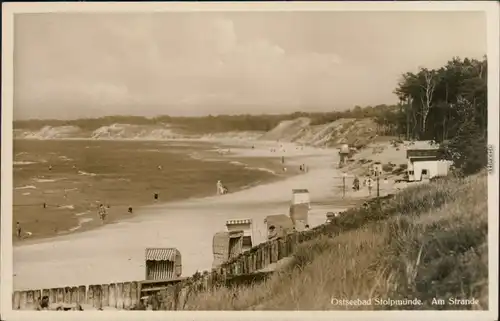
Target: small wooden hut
226, 245
163, 263
299, 214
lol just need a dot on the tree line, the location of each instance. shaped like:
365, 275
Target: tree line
448, 105
216, 123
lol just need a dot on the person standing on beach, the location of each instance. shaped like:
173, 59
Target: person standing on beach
369, 183
355, 184
282, 159
220, 188
18, 230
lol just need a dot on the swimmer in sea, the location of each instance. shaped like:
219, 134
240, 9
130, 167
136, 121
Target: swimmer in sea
102, 213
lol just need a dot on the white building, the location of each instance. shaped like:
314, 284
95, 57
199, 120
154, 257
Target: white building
424, 164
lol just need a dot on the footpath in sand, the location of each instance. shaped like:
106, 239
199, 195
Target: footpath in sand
115, 252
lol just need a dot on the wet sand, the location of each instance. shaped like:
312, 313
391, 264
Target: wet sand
115, 252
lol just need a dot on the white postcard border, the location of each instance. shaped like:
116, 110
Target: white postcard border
491, 9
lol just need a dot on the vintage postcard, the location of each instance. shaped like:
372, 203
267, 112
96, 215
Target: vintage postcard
279, 160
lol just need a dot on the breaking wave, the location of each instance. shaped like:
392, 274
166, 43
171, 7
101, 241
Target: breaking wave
86, 174
44, 180
22, 163
26, 187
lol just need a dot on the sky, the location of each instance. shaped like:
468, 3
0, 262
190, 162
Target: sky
74, 65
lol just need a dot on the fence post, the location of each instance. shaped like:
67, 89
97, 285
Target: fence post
52, 296
119, 296
127, 298
60, 295
112, 295
16, 300
23, 300
82, 294
268, 256
67, 295
90, 295
37, 296
135, 294
29, 298
46, 292
74, 295
105, 295
97, 300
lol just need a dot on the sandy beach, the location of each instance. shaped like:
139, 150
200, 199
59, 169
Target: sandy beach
115, 252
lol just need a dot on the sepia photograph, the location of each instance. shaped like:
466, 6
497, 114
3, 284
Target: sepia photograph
250, 157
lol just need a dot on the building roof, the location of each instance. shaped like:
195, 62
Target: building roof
240, 221
425, 159
425, 153
296, 191
422, 144
161, 254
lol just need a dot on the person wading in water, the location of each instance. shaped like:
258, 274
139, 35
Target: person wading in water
102, 213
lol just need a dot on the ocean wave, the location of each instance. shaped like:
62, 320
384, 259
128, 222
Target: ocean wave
73, 228
69, 207
80, 224
26, 194
44, 180
85, 220
86, 174
22, 163
262, 169
82, 213
26, 187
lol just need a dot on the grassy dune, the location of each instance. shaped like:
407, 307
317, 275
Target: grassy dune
430, 241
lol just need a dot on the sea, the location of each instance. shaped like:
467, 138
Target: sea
59, 184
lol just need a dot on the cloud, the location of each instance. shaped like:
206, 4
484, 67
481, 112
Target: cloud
221, 59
